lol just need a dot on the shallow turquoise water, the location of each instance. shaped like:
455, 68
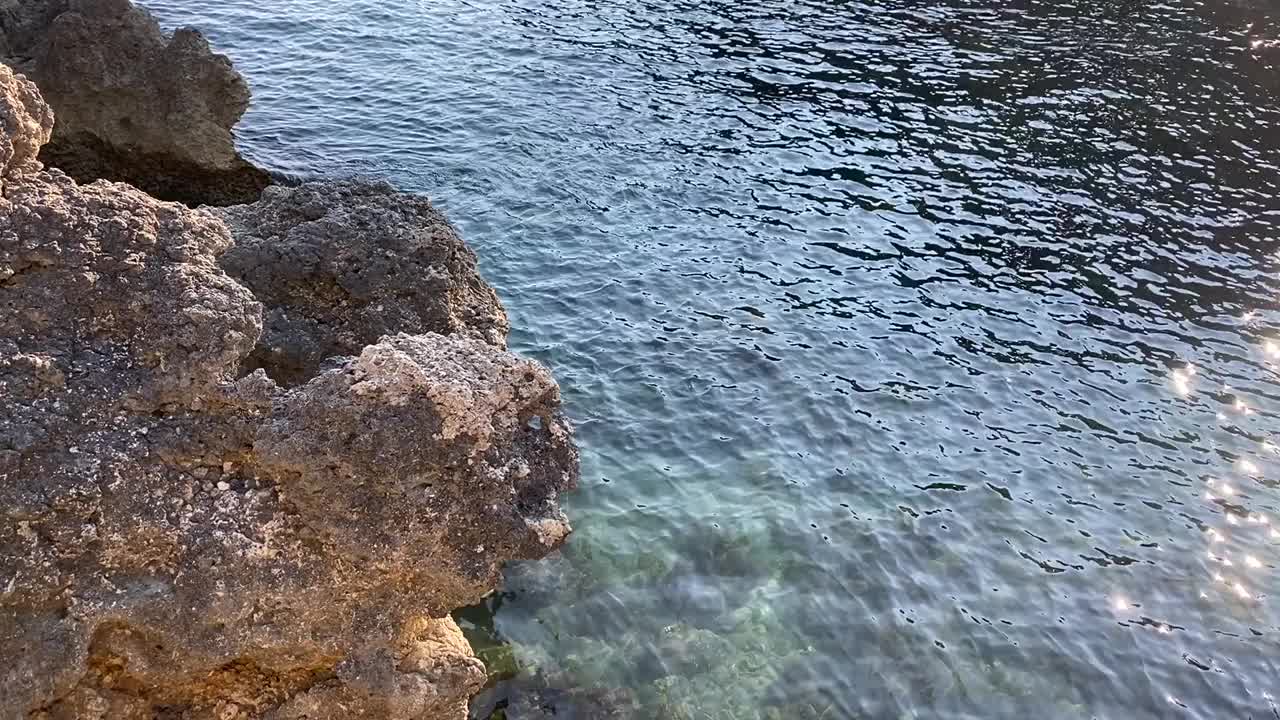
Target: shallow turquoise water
923, 356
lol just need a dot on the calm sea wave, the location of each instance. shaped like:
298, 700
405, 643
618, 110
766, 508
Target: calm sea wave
924, 355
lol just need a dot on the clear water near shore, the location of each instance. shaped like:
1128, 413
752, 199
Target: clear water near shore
923, 357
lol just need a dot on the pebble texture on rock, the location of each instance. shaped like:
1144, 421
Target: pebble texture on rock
133, 105
181, 539
340, 264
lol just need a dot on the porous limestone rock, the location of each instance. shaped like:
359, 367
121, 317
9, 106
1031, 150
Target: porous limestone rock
341, 263
26, 123
180, 539
132, 104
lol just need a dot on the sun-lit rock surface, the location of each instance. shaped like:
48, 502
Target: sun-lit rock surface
25, 125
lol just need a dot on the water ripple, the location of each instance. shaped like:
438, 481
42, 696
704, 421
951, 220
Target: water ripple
925, 358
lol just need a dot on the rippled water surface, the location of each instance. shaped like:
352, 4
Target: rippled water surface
923, 354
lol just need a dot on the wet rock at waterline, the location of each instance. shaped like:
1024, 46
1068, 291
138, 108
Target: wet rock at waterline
183, 539
133, 104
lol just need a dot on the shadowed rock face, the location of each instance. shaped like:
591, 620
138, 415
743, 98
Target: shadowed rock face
340, 264
181, 539
132, 104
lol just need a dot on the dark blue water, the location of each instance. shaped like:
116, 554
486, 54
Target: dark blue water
923, 354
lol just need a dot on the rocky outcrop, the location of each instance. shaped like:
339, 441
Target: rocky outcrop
133, 105
183, 537
340, 264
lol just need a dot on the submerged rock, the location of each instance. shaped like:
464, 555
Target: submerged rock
133, 105
181, 539
339, 264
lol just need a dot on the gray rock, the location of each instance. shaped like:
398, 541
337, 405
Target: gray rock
132, 104
180, 539
340, 264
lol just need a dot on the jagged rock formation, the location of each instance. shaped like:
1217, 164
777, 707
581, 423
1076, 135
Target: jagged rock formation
181, 539
133, 105
340, 264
